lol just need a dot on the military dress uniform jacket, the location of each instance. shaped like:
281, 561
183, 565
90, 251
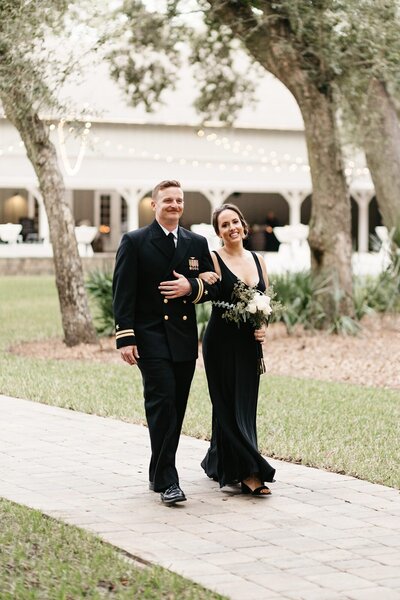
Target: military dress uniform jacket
160, 327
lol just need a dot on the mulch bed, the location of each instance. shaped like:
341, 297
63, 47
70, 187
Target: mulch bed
370, 359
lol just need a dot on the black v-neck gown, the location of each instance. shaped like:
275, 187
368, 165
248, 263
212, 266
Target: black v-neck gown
231, 359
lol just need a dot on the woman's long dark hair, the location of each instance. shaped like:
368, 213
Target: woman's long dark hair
237, 210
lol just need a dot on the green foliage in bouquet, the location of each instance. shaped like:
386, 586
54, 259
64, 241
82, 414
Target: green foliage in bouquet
249, 305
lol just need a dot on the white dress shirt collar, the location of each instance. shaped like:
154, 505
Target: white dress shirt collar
174, 232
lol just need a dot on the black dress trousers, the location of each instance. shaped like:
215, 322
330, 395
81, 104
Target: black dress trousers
166, 388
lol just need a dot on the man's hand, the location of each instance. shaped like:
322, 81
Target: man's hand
176, 287
130, 354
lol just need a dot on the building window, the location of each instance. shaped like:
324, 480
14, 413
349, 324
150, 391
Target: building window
105, 213
124, 215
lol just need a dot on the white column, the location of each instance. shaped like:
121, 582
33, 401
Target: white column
115, 219
295, 199
44, 233
216, 197
31, 205
133, 197
363, 198
96, 209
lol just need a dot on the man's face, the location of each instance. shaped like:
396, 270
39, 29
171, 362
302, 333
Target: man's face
168, 206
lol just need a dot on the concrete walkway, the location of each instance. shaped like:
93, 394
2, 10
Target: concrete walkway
319, 536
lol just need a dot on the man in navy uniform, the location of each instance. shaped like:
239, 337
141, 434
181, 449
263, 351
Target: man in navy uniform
156, 285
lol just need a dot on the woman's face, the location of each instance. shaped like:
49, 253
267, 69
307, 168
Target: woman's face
230, 228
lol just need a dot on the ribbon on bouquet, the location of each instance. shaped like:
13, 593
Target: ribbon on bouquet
261, 369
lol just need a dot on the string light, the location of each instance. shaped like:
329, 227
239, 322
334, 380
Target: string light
274, 160
259, 157
63, 153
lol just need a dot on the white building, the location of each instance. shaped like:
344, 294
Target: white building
261, 164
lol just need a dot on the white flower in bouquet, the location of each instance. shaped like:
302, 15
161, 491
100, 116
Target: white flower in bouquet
249, 305
262, 303
252, 307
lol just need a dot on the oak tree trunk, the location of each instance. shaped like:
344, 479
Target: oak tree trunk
270, 43
381, 138
330, 224
76, 319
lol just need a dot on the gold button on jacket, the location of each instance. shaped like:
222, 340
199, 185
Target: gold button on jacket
166, 317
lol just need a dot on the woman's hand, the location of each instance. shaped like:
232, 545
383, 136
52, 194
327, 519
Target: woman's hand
259, 334
209, 277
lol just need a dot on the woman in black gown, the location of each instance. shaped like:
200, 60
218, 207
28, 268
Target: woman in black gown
231, 356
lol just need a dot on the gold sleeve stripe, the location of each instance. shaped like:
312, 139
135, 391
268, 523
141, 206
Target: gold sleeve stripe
200, 292
124, 333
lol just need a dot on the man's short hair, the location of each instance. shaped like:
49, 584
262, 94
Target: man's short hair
163, 185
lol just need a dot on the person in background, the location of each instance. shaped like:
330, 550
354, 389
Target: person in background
271, 241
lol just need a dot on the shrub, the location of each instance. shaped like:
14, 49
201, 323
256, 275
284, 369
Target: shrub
203, 313
294, 291
378, 294
371, 294
99, 286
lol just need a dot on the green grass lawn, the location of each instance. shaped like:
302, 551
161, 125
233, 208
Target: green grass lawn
43, 559
344, 428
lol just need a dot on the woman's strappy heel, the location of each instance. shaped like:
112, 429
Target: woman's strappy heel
261, 490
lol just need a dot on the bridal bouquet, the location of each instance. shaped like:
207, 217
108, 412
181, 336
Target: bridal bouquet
249, 305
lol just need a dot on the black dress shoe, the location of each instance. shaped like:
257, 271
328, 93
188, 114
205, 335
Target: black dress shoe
151, 486
172, 495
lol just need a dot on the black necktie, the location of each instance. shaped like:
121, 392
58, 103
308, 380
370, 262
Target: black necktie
171, 244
